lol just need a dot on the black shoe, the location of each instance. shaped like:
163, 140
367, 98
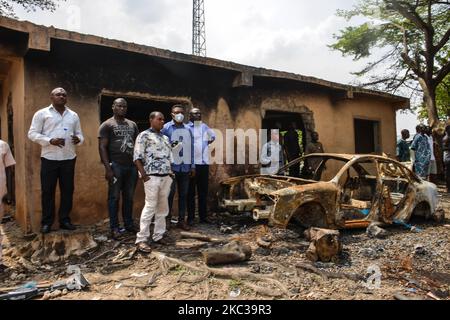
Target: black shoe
46, 229
205, 221
191, 223
68, 226
116, 234
183, 226
131, 229
164, 242
3, 268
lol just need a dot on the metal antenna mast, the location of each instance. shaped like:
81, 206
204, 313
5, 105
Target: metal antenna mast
198, 29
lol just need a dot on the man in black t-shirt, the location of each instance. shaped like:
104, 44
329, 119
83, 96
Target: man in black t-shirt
116, 146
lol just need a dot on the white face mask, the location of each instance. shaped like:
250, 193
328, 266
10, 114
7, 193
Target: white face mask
179, 118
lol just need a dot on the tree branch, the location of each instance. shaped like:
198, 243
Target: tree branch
411, 15
445, 70
443, 41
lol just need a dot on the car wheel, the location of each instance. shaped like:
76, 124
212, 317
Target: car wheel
310, 215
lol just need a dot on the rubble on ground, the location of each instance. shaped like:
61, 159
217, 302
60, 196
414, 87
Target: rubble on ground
402, 264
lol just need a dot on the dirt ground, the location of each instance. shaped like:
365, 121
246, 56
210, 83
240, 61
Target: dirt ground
406, 265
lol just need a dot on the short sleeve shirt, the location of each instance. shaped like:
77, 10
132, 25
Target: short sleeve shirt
121, 136
155, 152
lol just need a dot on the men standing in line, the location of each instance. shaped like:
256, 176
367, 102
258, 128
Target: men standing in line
422, 153
153, 158
183, 166
403, 152
57, 129
432, 171
117, 136
6, 162
272, 155
203, 137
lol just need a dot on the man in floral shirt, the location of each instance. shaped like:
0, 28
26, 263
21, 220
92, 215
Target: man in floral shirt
153, 158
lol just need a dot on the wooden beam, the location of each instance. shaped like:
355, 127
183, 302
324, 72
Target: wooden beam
342, 95
39, 39
244, 79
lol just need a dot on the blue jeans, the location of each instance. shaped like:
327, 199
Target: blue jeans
125, 185
181, 182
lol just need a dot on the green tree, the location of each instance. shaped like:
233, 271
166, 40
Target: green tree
413, 36
443, 98
442, 101
7, 6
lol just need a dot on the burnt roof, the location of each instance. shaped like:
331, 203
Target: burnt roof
40, 39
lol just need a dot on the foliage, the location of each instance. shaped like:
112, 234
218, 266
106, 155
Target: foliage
7, 6
407, 42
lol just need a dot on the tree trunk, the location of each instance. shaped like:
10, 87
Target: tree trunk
429, 92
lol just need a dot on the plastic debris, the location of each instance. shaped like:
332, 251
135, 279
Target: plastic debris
235, 293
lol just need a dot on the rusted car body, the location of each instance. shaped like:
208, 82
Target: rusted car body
342, 192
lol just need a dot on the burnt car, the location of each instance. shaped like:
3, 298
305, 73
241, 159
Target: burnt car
339, 191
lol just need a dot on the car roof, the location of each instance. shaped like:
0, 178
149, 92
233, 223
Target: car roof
346, 156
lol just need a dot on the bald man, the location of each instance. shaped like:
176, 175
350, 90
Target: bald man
117, 136
57, 129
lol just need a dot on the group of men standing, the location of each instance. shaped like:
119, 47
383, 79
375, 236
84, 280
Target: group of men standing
420, 152
156, 156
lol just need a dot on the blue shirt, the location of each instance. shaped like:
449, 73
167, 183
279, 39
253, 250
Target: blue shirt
183, 153
203, 137
423, 155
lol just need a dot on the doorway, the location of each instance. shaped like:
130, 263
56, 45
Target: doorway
367, 136
283, 122
139, 109
293, 135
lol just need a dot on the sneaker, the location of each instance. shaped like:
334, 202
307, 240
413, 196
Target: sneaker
144, 248
116, 234
174, 220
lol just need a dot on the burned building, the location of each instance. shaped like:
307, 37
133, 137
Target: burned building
35, 59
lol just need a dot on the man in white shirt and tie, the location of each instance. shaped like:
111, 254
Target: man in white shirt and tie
57, 129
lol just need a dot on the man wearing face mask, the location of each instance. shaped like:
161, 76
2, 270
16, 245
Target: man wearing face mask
183, 166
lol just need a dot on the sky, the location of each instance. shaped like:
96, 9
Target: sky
286, 35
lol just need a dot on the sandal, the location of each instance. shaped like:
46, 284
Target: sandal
144, 248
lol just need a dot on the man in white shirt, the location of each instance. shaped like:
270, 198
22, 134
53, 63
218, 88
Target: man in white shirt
272, 157
6, 163
57, 129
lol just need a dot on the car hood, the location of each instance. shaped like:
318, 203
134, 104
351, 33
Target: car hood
264, 184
